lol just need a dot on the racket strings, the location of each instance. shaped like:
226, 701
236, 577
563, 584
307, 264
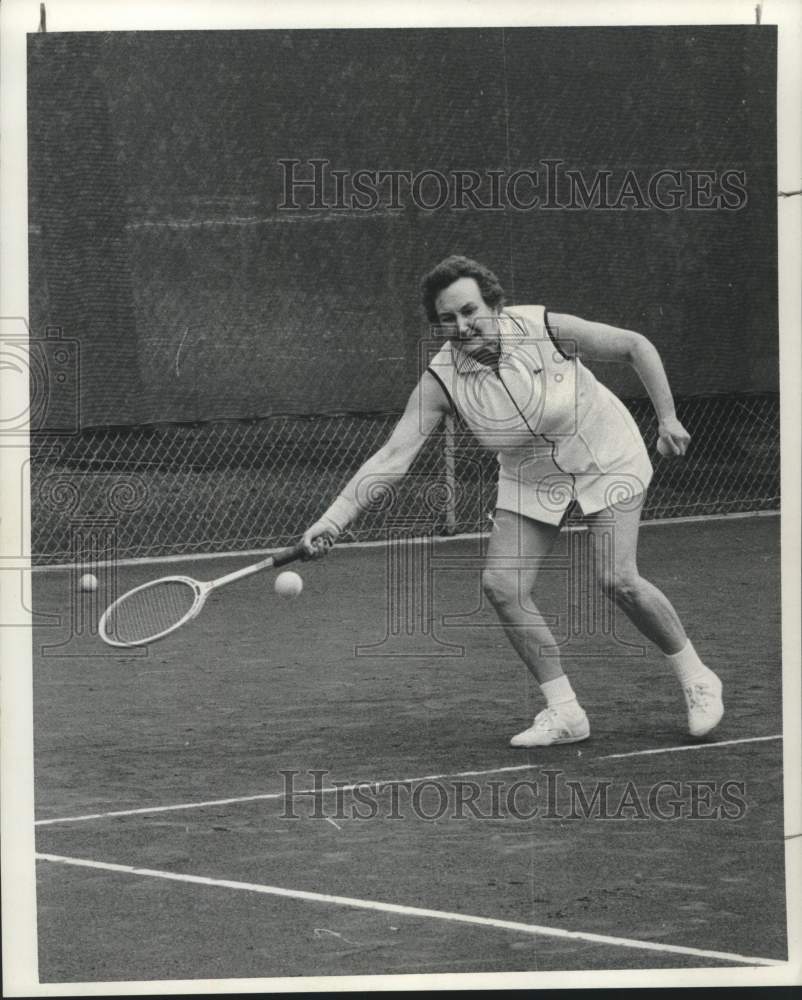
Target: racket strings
150, 612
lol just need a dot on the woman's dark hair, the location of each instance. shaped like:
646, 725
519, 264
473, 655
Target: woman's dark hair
452, 269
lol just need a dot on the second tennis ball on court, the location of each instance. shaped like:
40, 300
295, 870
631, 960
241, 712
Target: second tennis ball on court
88, 582
288, 584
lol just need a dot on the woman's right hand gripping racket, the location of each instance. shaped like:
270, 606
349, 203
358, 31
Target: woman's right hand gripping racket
154, 610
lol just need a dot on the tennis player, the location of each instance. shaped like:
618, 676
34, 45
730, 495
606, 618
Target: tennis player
515, 376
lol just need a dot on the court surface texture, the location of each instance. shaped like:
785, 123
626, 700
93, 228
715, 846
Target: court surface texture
189, 823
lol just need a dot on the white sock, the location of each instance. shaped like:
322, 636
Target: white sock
559, 692
687, 665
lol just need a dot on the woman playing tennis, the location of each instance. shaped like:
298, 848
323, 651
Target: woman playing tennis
515, 376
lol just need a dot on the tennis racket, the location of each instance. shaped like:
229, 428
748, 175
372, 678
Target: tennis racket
155, 609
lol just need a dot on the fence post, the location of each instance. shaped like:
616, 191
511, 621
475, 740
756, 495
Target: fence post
451, 491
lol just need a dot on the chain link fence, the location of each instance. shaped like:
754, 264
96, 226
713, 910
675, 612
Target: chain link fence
236, 485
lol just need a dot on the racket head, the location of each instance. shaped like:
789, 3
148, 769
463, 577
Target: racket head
151, 611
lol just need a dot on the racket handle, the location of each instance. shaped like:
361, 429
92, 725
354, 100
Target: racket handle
288, 555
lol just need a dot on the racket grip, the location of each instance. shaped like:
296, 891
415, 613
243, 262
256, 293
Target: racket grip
288, 555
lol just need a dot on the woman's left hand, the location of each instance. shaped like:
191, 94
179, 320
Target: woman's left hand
672, 438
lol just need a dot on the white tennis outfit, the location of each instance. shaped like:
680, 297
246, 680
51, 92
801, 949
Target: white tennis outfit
559, 433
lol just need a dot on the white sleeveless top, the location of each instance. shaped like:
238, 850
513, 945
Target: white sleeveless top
547, 416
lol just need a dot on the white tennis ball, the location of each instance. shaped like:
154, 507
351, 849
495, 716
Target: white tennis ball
88, 582
663, 447
288, 584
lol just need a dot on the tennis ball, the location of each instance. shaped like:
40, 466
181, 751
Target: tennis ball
288, 584
663, 447
88, 582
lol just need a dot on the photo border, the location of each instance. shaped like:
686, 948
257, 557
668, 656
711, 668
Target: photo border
20, 17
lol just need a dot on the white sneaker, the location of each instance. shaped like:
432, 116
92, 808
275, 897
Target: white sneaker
705, 705
553, 726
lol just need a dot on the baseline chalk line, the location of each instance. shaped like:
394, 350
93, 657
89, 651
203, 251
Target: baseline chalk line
692, 746
375, 785
414, 911
264, 796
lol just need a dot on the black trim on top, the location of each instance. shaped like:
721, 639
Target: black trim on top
434, 374
572, 505
534, 434
523, 330
565, 472
552, 337
518, 324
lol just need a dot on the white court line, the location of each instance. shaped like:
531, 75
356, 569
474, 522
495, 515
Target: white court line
375, 785
695, 746
415, 911
323, 790
418, 539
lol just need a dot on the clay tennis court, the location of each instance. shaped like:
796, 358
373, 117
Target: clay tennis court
222, 329
169, 847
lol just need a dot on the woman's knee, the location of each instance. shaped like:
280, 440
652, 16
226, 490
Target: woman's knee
502, 587
620, 584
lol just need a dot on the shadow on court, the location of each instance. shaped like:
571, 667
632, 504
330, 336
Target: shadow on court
676, 849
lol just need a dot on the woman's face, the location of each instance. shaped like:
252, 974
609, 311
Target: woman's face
467, 318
